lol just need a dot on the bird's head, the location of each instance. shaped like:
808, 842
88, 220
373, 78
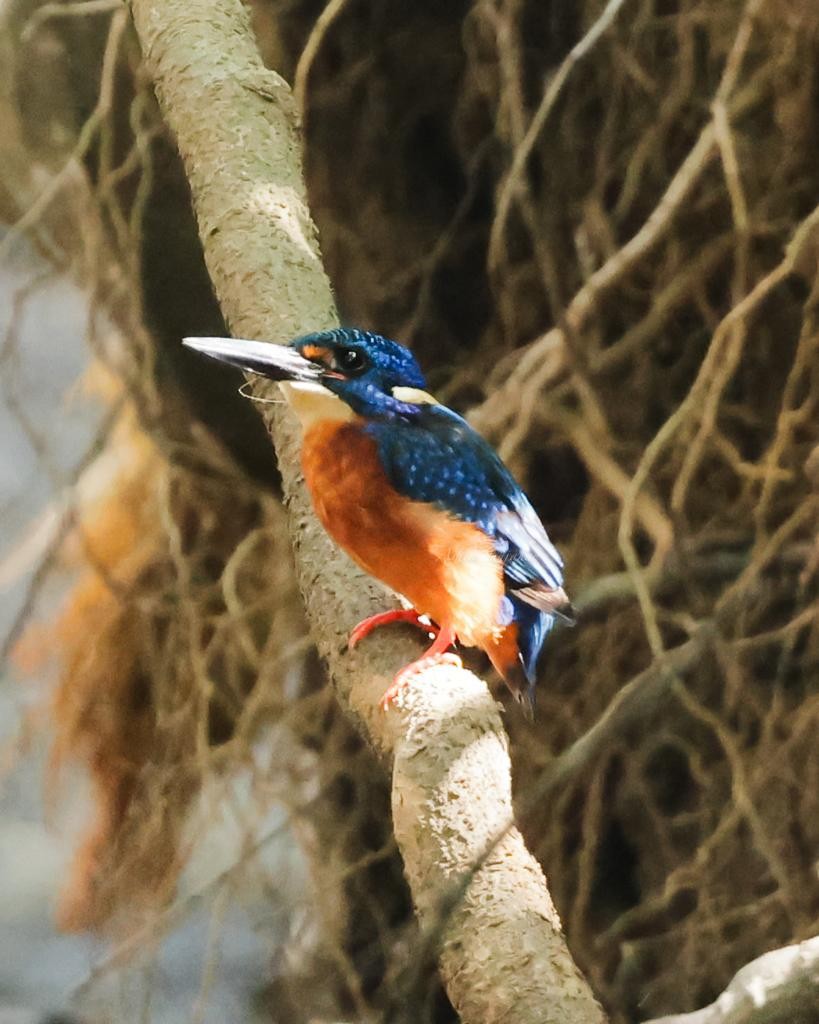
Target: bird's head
376, 377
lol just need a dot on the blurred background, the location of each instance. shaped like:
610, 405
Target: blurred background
596, 226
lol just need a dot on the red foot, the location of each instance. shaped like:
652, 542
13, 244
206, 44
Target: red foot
384, 618
434, 656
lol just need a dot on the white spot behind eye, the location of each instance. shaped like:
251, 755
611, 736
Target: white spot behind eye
413, 396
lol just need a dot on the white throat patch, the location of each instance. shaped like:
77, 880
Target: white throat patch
312, 403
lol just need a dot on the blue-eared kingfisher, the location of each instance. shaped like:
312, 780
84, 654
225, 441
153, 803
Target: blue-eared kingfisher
417, 498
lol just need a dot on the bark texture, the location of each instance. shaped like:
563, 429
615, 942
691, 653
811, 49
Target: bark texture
235, 125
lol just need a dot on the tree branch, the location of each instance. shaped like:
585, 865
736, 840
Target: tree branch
236, 128
780, 987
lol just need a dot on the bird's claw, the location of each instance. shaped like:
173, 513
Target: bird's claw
366, 626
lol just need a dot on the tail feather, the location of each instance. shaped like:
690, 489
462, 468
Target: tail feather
515, 653
505, 656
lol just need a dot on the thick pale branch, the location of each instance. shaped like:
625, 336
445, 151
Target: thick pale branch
236, 129
780, 987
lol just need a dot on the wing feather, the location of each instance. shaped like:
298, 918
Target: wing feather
438, 458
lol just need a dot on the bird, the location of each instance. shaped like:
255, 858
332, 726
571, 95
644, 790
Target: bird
418, 499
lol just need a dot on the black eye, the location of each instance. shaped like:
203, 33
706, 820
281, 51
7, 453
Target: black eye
351, 360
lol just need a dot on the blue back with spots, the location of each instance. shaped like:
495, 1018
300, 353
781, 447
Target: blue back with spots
438, 458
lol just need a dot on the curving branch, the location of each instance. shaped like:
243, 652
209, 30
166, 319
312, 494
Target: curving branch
502, 950
780, 986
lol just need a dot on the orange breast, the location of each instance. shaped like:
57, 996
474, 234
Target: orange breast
446, 568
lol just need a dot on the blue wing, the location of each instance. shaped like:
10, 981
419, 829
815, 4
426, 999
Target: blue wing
438, 458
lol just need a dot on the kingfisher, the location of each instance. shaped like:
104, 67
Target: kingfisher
418, 499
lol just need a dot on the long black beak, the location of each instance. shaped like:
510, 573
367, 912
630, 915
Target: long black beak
278, 362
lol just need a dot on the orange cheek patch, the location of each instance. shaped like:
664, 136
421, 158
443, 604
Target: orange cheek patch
316, 353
